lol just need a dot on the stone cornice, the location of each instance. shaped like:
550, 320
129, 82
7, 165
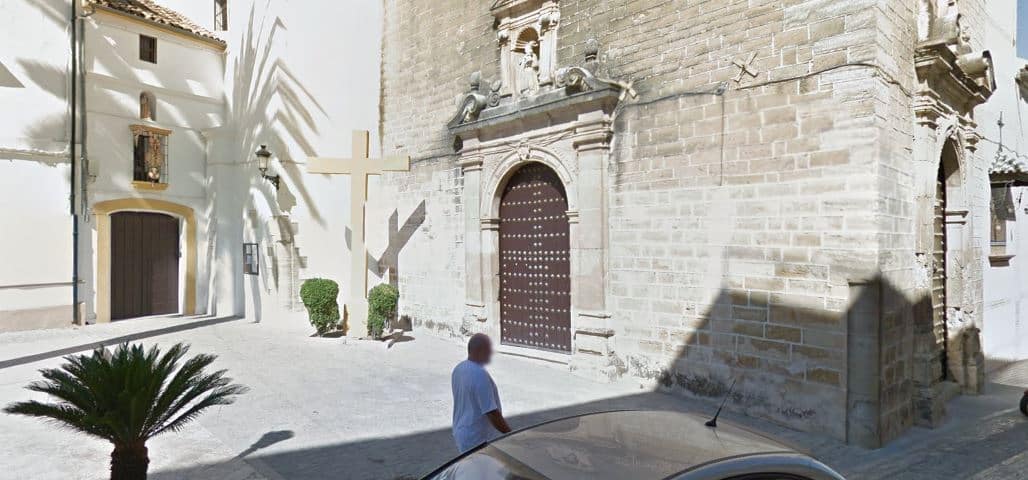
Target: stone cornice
944, 76
545, 109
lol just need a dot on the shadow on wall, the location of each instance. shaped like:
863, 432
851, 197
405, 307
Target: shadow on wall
269, 105
7, 79
848, 375
389, 261
42, 133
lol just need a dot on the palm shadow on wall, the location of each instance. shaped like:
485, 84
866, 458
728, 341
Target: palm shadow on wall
269, 105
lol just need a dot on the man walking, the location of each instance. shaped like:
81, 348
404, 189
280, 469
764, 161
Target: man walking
477, 415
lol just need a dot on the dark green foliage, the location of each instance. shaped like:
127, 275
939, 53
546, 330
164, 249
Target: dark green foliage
381, 307
129, 396
319, 296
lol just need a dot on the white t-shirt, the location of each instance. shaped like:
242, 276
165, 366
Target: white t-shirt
474, 395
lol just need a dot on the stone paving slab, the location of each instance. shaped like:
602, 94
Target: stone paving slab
324, 408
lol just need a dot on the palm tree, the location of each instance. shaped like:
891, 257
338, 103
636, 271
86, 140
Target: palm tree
128, 397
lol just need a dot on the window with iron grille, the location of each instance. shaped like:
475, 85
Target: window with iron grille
149, 154
251, 263
221, 15
148, 49
1002, 211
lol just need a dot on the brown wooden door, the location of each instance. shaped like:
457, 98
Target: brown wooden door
535, 272
144, 264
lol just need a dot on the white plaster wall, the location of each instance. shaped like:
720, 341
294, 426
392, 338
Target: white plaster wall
1005, 329
35, 218
187, 83
299, 84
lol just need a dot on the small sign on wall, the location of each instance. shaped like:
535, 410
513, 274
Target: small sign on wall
251, 263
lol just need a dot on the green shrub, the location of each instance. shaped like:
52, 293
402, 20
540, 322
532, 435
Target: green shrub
319, 296
381, 308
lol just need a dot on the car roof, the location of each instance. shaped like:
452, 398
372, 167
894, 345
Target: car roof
623, 444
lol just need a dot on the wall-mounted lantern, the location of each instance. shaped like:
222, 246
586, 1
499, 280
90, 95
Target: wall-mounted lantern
263, 158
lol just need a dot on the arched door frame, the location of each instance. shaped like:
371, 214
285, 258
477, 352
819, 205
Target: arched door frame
490, 227
102, 212
508, 169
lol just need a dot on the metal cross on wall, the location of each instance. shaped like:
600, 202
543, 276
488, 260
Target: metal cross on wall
745, 67
359, 166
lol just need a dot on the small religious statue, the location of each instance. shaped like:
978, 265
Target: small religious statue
153, 159
528, 70
145, 107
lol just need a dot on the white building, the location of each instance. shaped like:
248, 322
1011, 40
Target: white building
168, 191
35, 170
1001, 122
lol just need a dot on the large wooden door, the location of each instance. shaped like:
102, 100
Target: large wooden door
535, 271
144, 264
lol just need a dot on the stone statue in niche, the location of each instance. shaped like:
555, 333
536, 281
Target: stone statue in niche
528, 70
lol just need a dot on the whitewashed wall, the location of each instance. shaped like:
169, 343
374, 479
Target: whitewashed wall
1005, 329
187, 83
35, 218
300, 75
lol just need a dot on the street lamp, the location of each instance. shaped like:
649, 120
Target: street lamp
263, 157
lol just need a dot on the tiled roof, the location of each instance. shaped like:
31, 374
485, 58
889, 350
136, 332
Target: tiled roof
150, 10
1007, 163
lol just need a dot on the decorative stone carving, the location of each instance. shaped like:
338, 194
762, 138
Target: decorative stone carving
527, 38
950, 72
566, 82
528, 70
470, 104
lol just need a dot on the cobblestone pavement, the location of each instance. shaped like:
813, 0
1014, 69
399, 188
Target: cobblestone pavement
324, 408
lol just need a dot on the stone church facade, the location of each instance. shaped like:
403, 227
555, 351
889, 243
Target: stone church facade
780, 194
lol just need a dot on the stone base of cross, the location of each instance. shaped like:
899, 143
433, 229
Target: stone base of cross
358, 167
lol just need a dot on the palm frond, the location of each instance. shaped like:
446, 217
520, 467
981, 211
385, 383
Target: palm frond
131, 394
64, 415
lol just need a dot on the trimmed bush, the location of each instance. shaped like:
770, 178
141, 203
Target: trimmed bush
319, 296
381, 308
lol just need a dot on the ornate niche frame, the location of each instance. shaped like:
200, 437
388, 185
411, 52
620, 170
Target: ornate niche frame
521, 25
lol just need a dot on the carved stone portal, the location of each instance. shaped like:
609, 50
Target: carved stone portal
562, 123
952, 80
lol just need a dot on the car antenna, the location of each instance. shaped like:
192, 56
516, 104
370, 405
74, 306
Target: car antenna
712, 423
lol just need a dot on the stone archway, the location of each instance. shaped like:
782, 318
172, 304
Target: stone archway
948, 219
534, 260
102, 212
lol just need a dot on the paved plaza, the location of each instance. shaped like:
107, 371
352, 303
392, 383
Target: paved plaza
327, 408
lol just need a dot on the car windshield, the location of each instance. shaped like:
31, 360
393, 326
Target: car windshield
613, 445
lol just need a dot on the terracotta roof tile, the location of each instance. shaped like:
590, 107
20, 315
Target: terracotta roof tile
150, 10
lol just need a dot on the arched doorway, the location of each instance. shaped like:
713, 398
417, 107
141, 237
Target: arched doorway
535, 268
945, 237
144, 264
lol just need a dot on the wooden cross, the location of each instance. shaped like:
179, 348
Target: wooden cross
745, 67
359, 166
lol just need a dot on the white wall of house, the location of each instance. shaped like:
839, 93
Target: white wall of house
298, 80
36, 246
187, 84
1005, 328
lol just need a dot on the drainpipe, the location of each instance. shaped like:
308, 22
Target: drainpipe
79, 157
74, 164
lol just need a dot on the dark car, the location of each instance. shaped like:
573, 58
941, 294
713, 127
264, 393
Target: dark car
640, 445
